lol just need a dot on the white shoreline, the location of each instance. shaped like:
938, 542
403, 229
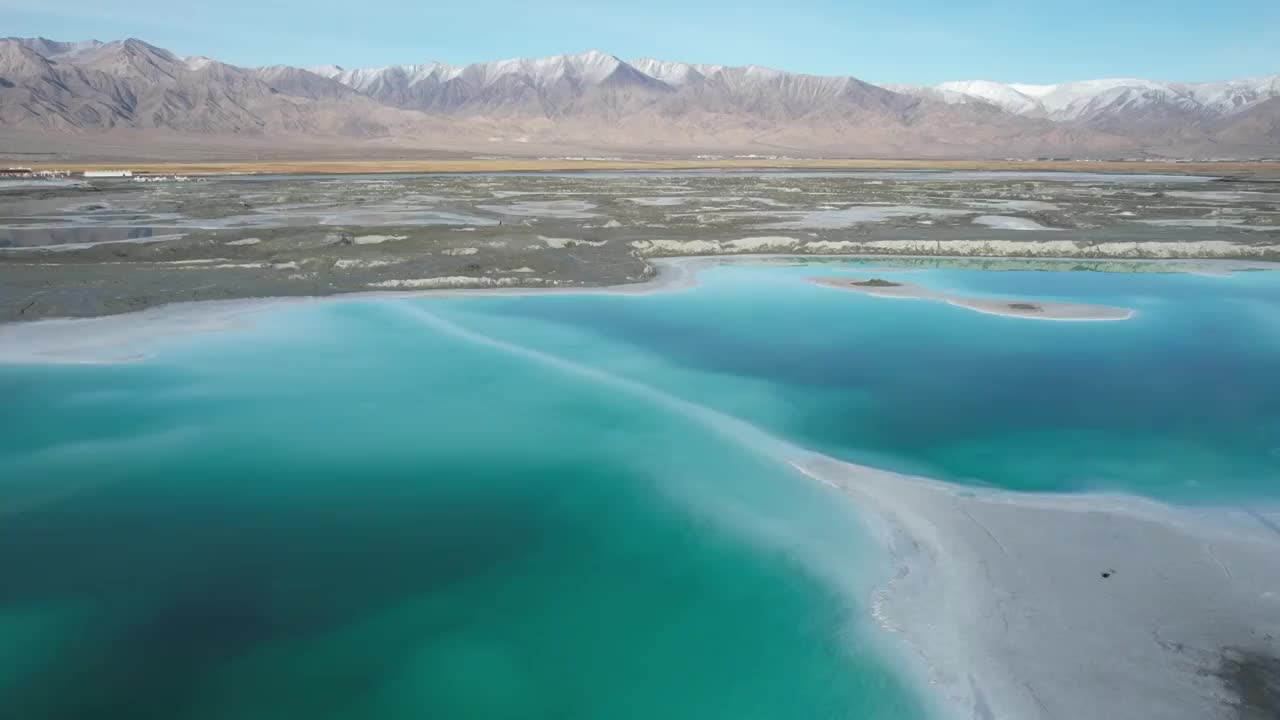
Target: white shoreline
122, 338
1000, 597
108, 339
1036, 310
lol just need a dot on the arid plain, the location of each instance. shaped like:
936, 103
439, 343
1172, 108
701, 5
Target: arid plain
83, 248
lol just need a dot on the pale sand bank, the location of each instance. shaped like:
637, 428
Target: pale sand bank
1030, 606
130, 337
1209, 250
126, 337
1034, 310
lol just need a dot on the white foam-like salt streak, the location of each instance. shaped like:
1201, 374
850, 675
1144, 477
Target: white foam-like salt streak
750, 436
927, 527
833, 564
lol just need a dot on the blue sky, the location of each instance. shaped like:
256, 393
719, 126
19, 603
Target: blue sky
920, 41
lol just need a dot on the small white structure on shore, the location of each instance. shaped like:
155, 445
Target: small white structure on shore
108, 173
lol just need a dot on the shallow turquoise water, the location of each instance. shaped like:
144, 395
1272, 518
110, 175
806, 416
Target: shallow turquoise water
348, 512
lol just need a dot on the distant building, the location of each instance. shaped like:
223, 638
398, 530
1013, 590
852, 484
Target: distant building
15, 172
108, 173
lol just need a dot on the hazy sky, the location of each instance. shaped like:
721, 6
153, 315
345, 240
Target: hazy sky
919, 41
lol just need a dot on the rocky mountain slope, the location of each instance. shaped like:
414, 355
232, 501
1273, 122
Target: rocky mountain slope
597, 102
1231, 114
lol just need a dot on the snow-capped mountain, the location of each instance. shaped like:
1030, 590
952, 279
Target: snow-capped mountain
597, 101
596, 82
1231, 95
1093, 99
1065, 102
589, 68
1002, 96
674, 74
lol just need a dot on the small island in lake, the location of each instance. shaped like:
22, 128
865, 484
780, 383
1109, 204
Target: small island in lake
1021, 309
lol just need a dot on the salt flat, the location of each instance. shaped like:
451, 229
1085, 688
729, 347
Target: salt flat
109, 246
1032, 606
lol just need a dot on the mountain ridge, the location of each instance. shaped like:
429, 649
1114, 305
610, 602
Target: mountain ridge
598, 100
1088, 98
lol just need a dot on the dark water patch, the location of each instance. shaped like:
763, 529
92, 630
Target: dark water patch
185, 581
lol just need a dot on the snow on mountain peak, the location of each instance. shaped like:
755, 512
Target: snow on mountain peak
591, 67
671, 73
759, 71
1088, 98
328, 71
1010, 98
1229, 95
364, 78
1059, 101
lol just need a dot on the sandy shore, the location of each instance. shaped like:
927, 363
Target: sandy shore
1032, 310
128, 337
1027, 606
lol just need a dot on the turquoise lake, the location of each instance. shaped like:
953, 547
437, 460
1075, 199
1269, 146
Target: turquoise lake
538, 507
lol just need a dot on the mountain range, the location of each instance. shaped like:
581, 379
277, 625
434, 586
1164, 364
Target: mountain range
132, 97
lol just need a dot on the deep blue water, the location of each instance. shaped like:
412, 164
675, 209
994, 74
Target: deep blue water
1179, 403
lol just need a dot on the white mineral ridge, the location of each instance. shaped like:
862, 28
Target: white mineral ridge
762, 243
960, 248
858, 214
1235, 223
445, 281
560, 243
1004, 222
377, 239
347, 264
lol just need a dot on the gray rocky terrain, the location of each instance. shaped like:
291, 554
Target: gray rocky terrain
73, 248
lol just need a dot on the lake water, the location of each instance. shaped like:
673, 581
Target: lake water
575, 506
